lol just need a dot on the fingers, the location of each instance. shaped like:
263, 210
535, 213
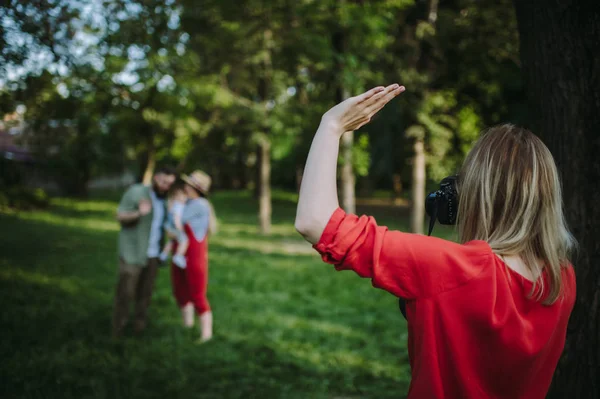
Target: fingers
378, 101
369, 94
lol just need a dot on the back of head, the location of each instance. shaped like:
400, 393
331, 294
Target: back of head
510, 196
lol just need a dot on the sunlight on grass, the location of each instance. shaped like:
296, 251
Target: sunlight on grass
59, 220
267, 247
295, 322
86, 206
286, 230
67, 285
286, 325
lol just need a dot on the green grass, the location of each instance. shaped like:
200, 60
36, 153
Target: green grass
286, 325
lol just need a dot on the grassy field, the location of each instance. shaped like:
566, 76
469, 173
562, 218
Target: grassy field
286, 325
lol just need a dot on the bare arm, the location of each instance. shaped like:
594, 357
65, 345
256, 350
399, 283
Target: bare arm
178, 223
128, 217
318, 192
144, 208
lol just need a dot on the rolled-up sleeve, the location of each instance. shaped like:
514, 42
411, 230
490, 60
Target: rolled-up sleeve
130, 200
407, 265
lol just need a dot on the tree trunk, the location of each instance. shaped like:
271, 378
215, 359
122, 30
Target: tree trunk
347, 174
83, 157
264, 184
347, 178
560, 54
150, 164
396, 187
264, 143
257, 173
417, 216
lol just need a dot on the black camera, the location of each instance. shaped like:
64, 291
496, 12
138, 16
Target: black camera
443, 203
443, 206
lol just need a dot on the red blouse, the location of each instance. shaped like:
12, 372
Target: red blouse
472, 330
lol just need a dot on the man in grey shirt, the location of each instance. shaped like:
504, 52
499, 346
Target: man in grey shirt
141, 214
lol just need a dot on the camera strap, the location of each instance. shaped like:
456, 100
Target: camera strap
432, 220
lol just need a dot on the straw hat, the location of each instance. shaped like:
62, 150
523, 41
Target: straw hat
199, 180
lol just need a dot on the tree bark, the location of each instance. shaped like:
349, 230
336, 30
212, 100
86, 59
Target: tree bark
560, 54
264, 182
264, 178
257, 173
150, 164
347, 178
425, 63
417, 216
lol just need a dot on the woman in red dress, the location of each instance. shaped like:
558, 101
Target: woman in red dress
487, 317
190, 283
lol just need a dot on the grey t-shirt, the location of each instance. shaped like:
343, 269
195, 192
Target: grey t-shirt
196, 214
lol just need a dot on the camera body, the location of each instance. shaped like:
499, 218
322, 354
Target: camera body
443, 203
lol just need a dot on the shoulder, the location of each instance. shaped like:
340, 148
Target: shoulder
138, 190
135, 193
197, 205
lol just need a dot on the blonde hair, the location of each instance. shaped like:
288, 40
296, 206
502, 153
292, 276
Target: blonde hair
510, 196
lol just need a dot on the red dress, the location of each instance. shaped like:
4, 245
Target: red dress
190, 284
472, 330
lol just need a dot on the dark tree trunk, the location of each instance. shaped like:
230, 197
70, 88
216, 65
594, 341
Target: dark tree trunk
347, 178
257, 167
560, 54
83, 158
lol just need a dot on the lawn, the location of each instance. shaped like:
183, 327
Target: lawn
286, 325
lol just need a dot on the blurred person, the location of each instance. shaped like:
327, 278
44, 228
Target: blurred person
174, 227
487, 317
141, 214
190, 284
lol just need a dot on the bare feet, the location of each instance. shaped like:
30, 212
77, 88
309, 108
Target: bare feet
187, 313
206, 326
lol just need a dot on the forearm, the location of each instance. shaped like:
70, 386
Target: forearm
178, 223
318, 192
128, 217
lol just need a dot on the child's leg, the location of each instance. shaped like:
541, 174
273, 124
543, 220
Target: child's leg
166, 251
182, 246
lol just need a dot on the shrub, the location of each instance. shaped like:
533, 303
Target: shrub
23, 198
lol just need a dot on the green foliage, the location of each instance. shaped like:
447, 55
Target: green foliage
361, 156
197, 83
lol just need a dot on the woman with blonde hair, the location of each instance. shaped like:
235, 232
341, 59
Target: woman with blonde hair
487, 317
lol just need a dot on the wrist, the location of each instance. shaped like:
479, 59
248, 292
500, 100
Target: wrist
331, 126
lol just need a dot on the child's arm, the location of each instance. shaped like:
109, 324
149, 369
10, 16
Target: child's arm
177, 217
177, 221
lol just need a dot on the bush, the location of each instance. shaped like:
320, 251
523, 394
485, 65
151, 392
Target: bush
23, 198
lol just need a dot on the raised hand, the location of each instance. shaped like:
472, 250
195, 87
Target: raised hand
144, 207
357, 111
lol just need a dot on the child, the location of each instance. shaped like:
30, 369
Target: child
176, 204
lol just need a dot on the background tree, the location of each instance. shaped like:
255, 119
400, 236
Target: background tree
560, 47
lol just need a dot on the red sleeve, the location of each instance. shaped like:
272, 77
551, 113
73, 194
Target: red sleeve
409, 266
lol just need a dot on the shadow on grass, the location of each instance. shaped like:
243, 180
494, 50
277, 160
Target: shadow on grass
286, 326
56, 344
